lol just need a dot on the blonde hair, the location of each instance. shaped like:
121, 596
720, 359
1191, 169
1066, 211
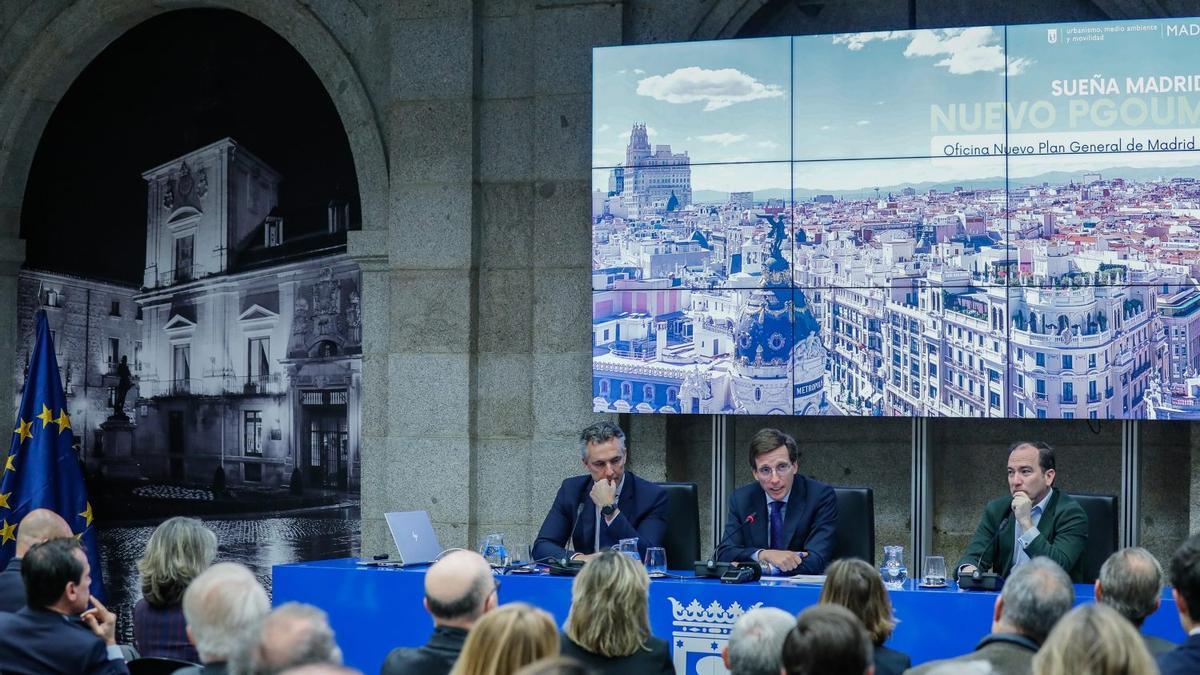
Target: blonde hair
178, 551
610, 613
1094, 640
507, 638
855, 585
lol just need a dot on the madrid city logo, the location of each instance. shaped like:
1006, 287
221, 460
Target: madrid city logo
700, 633
1051, 35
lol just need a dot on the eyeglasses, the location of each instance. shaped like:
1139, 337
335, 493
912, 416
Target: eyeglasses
783, 469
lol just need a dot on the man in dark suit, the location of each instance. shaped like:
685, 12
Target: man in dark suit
56, 632
1184, 572
596, 511
37, 526
1131, 582
1035, 520
783, 521
459, 589
1034, 598
221, 606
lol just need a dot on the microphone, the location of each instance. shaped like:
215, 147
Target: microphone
980, 580
571, 537
710, 567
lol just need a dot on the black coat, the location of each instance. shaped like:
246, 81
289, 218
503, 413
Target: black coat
641, 662
12, 588
435, 657
38, 641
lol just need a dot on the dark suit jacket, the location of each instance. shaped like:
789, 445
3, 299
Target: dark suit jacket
1183, 659
38, 641
12, 588
643, 514
808, 525
435, 657
642, 662
1009, 654
888, 661
1063, 532
1157, 646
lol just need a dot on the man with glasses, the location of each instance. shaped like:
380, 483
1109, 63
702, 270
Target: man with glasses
596, 511
459, 589
784, 521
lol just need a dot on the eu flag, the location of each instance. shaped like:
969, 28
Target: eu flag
41, 470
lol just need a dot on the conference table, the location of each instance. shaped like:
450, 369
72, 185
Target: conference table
373, 609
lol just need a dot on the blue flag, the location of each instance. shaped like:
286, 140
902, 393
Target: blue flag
42, 470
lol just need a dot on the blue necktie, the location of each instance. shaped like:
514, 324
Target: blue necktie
777, 525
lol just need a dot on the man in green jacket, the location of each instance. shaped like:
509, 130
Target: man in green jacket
1036, 520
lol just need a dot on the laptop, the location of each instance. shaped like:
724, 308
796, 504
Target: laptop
414, 536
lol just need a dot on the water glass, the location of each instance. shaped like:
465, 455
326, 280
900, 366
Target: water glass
518, 554
656, 561
629, 547
935, 571
893, 570
493, 550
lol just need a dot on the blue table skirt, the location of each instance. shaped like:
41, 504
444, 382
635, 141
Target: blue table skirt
373, 610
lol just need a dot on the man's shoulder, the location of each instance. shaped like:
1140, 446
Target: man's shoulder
1065, 503
1183, 659
645, 488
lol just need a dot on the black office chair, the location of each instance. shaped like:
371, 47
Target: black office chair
855, 536
156, 665
683, 525
1102, 516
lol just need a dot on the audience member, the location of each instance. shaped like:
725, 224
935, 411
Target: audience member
963, 668
178, 550
504, 640
321, 669
827, 640
37, 526
293, 635
459, 589
1093, 640
56, 632
855, 585
560, 665
221, 606
756, 641
1184, 572
1036, 595
608, 627
1131, 582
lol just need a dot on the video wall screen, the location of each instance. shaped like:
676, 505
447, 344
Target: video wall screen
996, 221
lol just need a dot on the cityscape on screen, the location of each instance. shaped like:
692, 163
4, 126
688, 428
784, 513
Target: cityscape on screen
979, 222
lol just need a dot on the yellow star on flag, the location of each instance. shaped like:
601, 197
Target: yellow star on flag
8, 464
87, 514
24, 430
63, 421
4, 500
46, 416
7, 532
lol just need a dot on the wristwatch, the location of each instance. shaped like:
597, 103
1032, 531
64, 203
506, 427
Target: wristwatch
608, 510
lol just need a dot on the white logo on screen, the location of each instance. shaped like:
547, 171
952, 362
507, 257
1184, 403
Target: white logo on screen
1051, 35
414, 536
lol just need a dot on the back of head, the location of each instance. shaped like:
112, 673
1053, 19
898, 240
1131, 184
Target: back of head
962, 668
457, 588
1036, 595
37, 526
178, 551
506, 639
222, 606
560, 665
1184, 571
757, 641
610, 613
855, 585
827, 640
1093, 640
1131, 582
293, 635
47, 568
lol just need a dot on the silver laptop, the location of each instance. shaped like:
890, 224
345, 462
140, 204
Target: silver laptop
414, 537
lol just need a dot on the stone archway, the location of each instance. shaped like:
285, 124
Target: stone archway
50, 43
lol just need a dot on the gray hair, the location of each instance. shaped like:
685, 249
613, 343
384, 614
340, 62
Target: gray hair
756, 642
1036, 595
600, 432
178, 551
962, 668
1131, 582
293, 635
221, 606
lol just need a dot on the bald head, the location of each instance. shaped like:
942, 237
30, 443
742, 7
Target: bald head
458, 589
40, 525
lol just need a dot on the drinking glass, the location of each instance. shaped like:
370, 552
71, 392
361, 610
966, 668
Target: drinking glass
493, 550
629, 547
656, 561
893, 570
935, 571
